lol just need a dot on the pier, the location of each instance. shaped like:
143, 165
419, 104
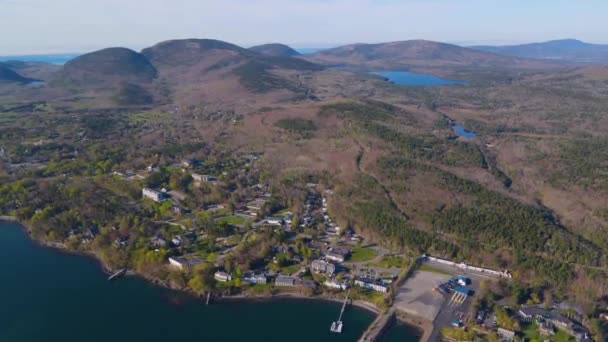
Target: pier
336, 327
117, 274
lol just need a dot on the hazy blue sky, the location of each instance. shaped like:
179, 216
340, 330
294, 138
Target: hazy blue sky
39, 26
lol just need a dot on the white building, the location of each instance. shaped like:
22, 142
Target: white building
370, 284
255, 279
222, 276
183, 263
282, 280
152, 194
322, 266
203, 178
334, 284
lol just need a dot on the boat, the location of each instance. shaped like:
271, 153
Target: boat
336, 327
117, 274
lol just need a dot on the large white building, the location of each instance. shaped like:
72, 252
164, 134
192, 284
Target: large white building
334, 284
322, 266
152, 194
371, 284
183, 263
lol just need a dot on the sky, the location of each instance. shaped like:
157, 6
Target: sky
61, 26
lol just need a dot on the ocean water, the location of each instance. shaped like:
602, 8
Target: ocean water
47, 295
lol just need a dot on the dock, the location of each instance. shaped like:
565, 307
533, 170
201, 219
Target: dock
336, 327
117, 274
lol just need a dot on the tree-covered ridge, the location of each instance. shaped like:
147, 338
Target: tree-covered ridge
364, 202
489, 221
583, 161
297, 125
380, 120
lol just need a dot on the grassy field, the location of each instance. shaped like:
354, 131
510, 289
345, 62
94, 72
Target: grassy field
360, 254
388, 261
233, 220
427, 268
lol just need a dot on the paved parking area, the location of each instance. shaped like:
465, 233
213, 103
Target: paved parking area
418, 295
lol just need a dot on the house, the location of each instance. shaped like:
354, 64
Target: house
322, 266
371, 284
256, 205
282, 280
184, 263
177, 241
158, 242
203, 178
121, 241
337, 254
255, 278
152, 194
546, 329
275, 221
222, 276
506, 335
334, 284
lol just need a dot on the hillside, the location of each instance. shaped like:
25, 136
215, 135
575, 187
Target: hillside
33, 70
8, 75
275, 50
107, 67
216, 71
526, 194
421, 54
566, 49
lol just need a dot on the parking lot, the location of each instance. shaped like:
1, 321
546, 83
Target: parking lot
456, 305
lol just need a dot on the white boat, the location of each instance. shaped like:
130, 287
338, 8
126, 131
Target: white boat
336, 327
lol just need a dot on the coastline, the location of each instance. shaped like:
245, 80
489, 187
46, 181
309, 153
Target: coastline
358, 303
161, 283
59, 247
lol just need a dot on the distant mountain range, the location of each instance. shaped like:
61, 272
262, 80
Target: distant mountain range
189, 64
419, 53
571, 50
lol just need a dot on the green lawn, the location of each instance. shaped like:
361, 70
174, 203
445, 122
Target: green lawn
531, 334
389, 262
290, 269
427, 268
233, 220
360, 254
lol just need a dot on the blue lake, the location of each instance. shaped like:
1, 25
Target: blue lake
410, 78
463, 132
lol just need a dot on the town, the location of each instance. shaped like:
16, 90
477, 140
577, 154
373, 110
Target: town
253, 245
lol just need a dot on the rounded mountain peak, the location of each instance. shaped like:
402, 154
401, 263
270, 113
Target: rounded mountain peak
187, 51
120, 64
275, 50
